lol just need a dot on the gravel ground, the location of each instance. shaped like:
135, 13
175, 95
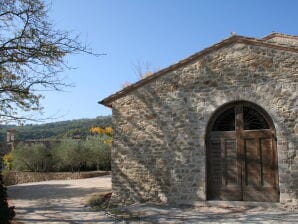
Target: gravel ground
63, 201
215, 214
58, 201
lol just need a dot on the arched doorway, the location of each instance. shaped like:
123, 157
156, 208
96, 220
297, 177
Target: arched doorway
241, 154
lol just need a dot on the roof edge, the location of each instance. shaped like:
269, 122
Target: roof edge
233, 39
276, 34
106, 101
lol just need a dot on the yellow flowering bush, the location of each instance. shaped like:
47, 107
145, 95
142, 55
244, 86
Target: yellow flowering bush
98, 130
7, 159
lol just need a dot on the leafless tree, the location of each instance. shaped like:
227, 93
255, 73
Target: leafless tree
32, 54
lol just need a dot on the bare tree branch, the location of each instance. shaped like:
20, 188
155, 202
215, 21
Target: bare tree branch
32, 56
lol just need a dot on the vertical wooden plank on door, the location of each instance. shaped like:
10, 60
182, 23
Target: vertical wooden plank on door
270, 191
260, 169
276, 176
239, 145
268, 162
231, 178
232, 186
223, 155
252, 170
214, 168
223, 182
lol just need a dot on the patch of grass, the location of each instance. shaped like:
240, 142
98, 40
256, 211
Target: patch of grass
100, 200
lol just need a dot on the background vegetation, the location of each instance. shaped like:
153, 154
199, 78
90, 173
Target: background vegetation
79, 146
56, 130
89, 153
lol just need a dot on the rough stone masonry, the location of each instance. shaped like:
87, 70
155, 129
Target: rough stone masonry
160, 122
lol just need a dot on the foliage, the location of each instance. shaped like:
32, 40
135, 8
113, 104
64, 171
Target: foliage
98, 150
99, 146
90, 152
32, 56
6, 212
7, 160
98, 130
69, 153
32, 157
57, 130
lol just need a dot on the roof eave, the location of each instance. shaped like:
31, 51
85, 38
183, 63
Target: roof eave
102, 102
233, 39
276, 34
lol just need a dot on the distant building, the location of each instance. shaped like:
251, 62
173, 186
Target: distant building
10, 135
11, 142
7, 145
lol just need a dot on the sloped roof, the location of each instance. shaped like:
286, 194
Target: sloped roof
233, 39
272, 35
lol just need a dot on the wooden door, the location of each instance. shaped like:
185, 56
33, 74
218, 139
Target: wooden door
224, 174
241, 155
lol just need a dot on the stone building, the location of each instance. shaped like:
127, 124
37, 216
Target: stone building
218, 125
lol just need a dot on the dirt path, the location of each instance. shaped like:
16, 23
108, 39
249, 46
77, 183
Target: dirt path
215, 214
58, 201
63, 202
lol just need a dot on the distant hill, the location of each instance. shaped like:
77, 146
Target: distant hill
55, 130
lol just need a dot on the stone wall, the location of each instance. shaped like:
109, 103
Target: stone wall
290, 41
12, 177
159, 129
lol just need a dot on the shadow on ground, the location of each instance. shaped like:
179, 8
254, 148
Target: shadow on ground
58, 201
154, 214
53, 191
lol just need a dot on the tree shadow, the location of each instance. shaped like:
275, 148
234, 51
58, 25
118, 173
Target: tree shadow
57, 203
161, 214
48, 191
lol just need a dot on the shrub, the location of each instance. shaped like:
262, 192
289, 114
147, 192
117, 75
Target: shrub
6, 212
69, 154
98, 151
32, 157
94, 152
100, 200
7, 160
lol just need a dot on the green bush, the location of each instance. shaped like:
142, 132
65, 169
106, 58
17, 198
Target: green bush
6, 212
98, 152
67, 155
35, 157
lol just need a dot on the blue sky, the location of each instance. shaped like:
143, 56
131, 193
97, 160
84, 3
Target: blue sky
149, 35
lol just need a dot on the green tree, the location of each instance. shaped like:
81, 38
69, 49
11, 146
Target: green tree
98, 151
69, 153
32, 56
32, 157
